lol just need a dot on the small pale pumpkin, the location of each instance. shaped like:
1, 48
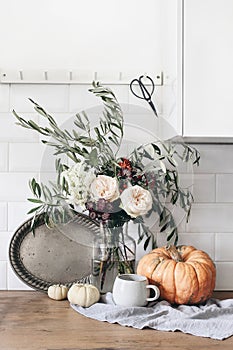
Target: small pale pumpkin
183, 274
83, 294
57, 292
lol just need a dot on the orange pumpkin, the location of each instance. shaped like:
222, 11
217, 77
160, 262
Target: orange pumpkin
183, 274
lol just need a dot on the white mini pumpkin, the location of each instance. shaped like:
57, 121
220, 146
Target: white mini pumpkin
83, 294
57, 292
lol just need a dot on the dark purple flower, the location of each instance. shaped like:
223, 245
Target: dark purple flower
105, 216
101, 204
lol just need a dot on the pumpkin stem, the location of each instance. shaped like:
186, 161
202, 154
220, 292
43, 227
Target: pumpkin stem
175, 255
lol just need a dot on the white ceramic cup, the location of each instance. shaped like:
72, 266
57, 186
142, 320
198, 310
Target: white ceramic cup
133, 290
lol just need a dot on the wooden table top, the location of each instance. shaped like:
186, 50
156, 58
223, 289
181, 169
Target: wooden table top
30, 320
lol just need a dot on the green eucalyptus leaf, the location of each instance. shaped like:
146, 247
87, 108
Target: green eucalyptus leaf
36, 209
34, 200
147, 241
93, 157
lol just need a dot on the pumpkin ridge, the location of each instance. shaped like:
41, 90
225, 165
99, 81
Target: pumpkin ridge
195, 284
187, 286
168, 276
208, 273
199, 255
185, 251
198, 283
175, 286
158, 273
211, 280
147, 269
159, 261
162, 252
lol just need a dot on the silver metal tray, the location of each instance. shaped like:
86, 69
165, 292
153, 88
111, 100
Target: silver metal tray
51, 257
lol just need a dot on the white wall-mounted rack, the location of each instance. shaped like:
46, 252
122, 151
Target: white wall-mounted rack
74, 77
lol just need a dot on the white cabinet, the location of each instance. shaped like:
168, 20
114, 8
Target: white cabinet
104, 36
208, 68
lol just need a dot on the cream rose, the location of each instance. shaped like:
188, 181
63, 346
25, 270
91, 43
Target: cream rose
105, 187
136, 201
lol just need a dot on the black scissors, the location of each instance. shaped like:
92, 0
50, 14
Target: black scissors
146, 95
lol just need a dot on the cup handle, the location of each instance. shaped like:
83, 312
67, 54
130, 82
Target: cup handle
156, 290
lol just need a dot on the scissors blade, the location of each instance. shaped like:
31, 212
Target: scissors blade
153, 107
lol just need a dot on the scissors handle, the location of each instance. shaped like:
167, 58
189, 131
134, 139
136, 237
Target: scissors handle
146, 95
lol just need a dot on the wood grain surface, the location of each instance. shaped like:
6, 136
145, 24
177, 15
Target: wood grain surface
30, 320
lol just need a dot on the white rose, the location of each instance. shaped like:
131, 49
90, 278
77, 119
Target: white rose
136, 201
105, 187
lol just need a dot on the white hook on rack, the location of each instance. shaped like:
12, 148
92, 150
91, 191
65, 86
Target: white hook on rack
73, 76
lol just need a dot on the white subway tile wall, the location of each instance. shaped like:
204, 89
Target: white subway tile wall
54, 97
20, 160
4, 98
14, 186
22, 157
17, 214
224, 188
9, 131
5, 238
3, 216
3, 157
3, 275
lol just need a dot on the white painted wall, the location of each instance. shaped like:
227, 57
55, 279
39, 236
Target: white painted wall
171, 52
90, 34
104, 36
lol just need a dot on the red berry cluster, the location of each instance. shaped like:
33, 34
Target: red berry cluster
130, 172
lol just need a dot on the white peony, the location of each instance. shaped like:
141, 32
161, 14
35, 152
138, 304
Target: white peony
79, 180
136, 201
105, 187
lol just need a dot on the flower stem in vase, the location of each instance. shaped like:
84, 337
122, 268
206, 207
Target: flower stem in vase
126, 255
104, 264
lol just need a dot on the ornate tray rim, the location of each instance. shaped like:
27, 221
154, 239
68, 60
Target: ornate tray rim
14, 251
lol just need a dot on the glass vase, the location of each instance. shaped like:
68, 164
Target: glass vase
113, 254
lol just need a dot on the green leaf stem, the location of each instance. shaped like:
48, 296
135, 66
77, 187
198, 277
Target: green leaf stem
99, 147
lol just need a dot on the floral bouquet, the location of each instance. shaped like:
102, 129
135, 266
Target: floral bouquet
111, 189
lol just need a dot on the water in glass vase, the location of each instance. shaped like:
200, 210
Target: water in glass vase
113, 254
104, 274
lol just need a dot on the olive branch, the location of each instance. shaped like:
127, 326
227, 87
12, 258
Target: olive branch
99, 148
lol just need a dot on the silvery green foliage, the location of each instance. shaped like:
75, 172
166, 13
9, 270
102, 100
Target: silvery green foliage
98, 148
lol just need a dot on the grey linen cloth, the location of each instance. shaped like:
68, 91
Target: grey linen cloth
214, 319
